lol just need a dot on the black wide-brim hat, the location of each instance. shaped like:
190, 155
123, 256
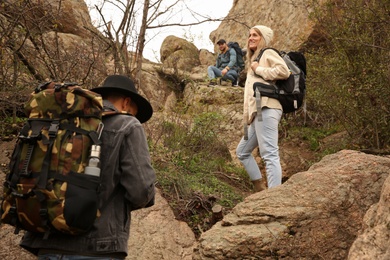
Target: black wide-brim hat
124, 85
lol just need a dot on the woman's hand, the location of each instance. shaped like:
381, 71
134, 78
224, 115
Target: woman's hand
254, 65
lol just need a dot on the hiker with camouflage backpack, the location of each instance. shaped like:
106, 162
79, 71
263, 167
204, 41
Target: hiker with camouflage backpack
127, 180
261, 129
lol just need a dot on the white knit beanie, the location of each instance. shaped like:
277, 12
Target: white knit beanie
267, 33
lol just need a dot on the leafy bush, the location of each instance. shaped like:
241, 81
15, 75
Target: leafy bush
350, 71
194, 168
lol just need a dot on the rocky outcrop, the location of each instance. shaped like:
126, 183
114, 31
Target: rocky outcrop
70, 16
226, 101
53, 40
207, 58
315, 214
155, 234
178, 53
289, 20
373, 241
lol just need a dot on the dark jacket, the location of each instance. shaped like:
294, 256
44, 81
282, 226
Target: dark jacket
127, 173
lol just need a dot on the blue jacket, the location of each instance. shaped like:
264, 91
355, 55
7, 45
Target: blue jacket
228, 58
126, 172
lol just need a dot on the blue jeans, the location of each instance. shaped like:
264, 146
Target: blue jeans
74, 257
263, 134
213, 72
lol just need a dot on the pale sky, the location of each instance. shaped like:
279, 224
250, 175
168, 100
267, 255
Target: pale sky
198, 34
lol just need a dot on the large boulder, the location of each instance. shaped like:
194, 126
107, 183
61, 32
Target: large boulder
289, 20
373, 241
179, 54
207, 58
156, 234
53, 40
315, 214
70, 16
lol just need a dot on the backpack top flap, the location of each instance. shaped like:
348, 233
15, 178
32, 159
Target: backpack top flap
299, 59
59, 101
236, 47
75, 110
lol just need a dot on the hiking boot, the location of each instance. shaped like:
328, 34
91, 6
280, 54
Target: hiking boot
259, 185
212, 83
225, 82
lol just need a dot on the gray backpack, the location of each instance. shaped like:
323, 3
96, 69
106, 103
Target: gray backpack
291, 91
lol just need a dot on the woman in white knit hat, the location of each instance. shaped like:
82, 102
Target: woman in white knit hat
262, 130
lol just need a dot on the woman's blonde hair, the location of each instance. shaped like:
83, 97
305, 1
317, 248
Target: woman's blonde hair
251, 55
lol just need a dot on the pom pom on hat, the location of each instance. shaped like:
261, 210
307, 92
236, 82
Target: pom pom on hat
267, 33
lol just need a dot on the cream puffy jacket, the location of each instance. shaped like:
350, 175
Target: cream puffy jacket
271, 68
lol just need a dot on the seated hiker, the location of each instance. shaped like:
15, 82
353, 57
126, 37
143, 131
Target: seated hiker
225, 66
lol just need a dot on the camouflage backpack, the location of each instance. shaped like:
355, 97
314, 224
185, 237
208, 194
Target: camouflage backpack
46, 189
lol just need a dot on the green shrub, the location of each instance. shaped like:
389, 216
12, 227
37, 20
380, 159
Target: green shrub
194, 168
348, 79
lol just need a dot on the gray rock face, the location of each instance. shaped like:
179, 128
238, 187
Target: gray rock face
178, 53
155, 234
289, 20
315, 214
373, 241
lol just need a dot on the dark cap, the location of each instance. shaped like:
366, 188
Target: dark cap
125, 86
221, 41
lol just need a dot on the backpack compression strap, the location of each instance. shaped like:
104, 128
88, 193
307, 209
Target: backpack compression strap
30, 140
70, 128
35, 126
263, 50
53, 130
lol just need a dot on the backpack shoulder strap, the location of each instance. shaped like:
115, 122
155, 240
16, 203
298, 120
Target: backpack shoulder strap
263, 50
112, 113
118, 187
232, 48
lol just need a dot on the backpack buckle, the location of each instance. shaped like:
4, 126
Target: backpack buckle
12, 211
43, 213
41, 87
53, 129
